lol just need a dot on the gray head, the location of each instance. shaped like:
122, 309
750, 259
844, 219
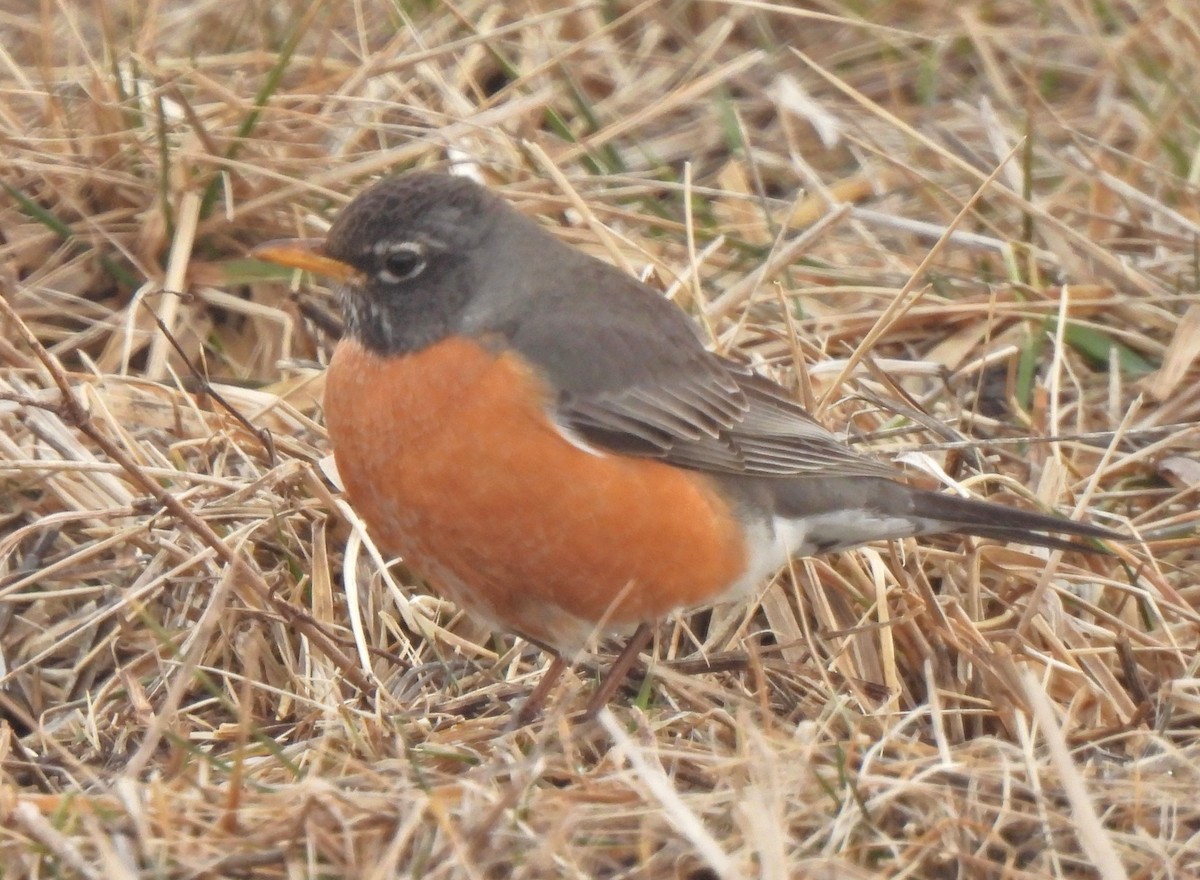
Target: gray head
419, 245
424, 256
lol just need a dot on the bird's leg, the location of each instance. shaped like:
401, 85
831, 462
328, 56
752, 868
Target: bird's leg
619, 670
536, 701
613, 679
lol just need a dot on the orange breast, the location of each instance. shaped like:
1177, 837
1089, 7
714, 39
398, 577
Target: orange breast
450, 457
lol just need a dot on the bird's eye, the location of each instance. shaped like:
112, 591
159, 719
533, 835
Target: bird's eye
402, 261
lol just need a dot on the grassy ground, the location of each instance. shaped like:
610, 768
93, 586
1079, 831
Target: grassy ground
983, 213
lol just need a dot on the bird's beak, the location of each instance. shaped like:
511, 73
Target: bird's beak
307, 254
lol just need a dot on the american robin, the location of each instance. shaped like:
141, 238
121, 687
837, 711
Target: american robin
549, 443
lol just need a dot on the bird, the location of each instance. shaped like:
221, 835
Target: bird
548, 442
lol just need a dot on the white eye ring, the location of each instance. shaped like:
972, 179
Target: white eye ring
402, 261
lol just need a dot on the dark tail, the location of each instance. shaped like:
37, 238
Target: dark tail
952, 513
843, 512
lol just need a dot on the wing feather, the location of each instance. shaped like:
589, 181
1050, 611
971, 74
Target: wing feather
743, 426
632, 377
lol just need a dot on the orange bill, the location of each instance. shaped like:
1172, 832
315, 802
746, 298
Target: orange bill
307, 254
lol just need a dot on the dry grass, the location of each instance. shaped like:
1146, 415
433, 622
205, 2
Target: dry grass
988, 212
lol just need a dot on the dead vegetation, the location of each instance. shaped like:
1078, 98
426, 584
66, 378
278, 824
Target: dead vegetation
984, 215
